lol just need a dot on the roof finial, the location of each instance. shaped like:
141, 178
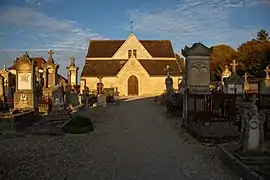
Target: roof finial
131, 26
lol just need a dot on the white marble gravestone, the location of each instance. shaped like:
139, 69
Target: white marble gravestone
252, 131
101, 100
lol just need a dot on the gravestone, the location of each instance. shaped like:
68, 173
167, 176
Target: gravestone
50, 74
101, 97
197, 68
72, 72
25, 97
57, 98
59, 111
252, 130
234, 83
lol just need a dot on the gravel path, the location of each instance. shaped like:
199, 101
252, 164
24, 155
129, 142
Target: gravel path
132, 141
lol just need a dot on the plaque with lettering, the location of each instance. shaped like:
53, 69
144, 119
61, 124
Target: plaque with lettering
24, 81
231, 88
239, 88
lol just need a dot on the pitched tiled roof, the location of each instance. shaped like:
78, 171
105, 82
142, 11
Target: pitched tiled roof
39, 60
107, 48
110, 68
104, 68
60, 78
157, 67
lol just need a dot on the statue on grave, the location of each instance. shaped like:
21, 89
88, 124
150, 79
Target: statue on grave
246, 84
267, 71
168, 80
100, 85
225, 74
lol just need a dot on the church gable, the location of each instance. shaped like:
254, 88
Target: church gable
132, 66
132, 46
118, 49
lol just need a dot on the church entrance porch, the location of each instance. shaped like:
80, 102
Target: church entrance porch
133, 86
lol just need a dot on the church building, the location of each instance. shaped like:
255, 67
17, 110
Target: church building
132, 66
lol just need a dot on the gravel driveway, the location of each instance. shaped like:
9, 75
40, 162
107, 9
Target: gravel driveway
132, 140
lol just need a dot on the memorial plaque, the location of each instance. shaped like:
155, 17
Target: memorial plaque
239, 88
231, 88
24, 81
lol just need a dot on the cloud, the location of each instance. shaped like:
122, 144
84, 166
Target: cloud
51, 32
206, 21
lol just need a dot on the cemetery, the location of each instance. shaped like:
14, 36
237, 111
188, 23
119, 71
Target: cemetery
234, 110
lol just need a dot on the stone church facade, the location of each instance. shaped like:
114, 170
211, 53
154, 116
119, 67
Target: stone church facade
134, 67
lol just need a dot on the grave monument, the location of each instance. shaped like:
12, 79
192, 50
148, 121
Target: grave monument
72, 72
234, 84
24, 97
50, 74
101, 97
197, 68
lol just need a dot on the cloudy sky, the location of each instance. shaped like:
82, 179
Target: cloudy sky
66, 27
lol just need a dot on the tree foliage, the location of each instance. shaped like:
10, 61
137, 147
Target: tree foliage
253, 57
263, 36
181, 62
222, 55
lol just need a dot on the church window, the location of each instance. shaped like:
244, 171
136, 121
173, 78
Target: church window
135, 53
129, 53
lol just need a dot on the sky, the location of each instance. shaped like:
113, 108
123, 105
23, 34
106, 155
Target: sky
67, 26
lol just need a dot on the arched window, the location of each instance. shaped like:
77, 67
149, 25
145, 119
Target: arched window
129, 53
135, 53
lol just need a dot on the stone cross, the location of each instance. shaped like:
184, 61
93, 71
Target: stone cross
246, 76
100, 78
234, 64
168, 70
50, 53
5, 66
72, 61
267, 71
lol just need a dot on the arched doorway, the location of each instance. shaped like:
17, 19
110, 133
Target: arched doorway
133, 86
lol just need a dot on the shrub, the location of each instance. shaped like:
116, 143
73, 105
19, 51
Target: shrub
79, 125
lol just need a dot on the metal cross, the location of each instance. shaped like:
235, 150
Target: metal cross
50, 53
131, 26
234, 64
72, 61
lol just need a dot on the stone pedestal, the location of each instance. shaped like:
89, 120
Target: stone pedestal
101, 100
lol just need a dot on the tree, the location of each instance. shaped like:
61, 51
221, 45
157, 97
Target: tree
181, 62
253, 57
263, 36
222, 55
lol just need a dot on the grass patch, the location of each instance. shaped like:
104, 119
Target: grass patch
79, 125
